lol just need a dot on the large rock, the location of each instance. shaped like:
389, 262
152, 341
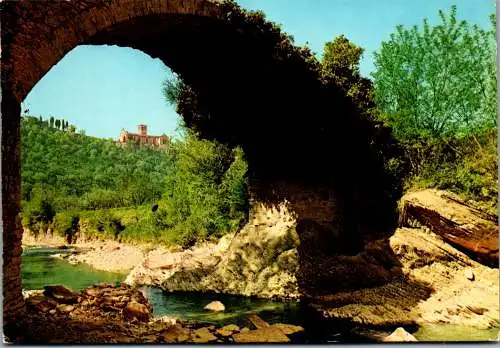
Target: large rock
176, 334
63, 308
400, 335
259, 260
473, 231
428, 286
203, 335
215, 306
60, 294
258, 322
288, 329
228, 330
136, 310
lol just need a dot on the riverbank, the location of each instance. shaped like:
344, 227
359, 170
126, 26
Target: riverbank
109, 256
436, 284
421, 278
106, 313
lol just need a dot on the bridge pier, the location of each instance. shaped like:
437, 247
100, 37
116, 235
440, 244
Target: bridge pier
315, 202
14, 309
319, 210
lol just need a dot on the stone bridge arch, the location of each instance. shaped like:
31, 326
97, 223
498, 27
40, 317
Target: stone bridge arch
41, 34
35, 36
290, 158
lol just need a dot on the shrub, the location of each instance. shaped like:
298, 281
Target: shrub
66, 224
466, 166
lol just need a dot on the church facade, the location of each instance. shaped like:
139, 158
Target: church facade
142, 137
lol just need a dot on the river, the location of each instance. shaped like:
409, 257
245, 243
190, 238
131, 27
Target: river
38, 269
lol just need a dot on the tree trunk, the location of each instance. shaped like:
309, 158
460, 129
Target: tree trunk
465, 227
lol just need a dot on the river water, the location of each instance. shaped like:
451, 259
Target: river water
38, 269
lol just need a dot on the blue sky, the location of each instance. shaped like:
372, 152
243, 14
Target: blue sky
102, 89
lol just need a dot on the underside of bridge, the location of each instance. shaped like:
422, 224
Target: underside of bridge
304, 143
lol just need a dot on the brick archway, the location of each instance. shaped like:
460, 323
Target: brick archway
38, 34
35, 36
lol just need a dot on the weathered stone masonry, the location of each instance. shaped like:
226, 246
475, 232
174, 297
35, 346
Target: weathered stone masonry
35, 36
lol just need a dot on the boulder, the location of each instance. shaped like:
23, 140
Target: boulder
228, 330
468, 229
203, 335
257, 261
137, 310
231, 327
64, 308
46, 305
60, 294
400, 335
92, 292
176, 334
268, 334
257, 321
215, 306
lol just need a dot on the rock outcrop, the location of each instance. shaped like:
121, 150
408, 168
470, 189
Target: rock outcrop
60, 294
259, 260
429, 286
266, 333
458, 223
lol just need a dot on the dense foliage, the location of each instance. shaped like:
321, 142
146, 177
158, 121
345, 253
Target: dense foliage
340, 65
73, 182
438, 80
206, 195
76, 171
436, 87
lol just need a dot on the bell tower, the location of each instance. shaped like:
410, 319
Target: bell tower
143, 129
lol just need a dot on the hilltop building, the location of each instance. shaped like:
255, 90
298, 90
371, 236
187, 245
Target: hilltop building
142, 137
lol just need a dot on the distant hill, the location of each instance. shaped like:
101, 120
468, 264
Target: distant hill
82, 172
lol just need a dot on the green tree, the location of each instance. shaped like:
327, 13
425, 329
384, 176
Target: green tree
51, 122
39, 212
57, 123
206, 192
340, 65
437, 80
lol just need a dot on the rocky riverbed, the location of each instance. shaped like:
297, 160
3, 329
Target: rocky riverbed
415, 277
107, 313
